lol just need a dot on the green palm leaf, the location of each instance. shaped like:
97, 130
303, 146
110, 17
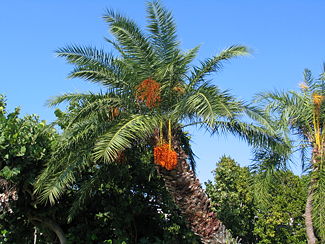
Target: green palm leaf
214, 64
94, 65
253, 134
130, 38
163, 31
132, 129
206, 104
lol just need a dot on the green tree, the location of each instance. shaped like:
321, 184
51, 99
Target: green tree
152, 90
25, 146
236, 198
279, 218
233, 198
303, 114
123, 205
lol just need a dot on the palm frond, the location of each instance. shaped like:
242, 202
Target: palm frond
289, 108
260, 117
94, 65
305, 158
123, 135
272, 159
83, 55
82, 133
51, 184
117, 47
86, 191
131, 39
207, 103
88, 105
74, 98
189, 56
214, 64
103, 106
100, 75
163, 31
253, 134
72, 155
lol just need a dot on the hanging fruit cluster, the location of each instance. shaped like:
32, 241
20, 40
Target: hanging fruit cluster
163, 153
165, 157
148, 91
115, 112
317, 99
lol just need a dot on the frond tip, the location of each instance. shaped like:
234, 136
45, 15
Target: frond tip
215, 63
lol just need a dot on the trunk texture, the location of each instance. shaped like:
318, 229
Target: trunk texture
311, 237
193, 202
309, 218
56, 229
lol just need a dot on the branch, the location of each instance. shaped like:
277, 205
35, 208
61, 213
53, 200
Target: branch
52, 226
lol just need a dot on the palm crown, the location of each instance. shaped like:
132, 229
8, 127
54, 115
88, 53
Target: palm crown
152, 91
303, 113
300, 112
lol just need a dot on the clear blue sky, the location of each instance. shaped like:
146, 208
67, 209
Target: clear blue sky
285, 37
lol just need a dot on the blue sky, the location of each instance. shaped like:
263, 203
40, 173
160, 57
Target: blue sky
285, 37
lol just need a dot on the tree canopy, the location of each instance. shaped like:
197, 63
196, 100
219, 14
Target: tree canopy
239, 204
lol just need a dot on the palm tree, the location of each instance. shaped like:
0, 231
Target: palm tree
303, 114
151, 93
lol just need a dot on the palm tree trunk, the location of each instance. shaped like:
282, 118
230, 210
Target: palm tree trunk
311, 238
52, 226
193, 202
310, 232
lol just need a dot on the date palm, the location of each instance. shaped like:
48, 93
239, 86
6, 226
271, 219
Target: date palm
130, 114
303, 114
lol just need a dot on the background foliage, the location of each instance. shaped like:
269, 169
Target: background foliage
257, 218
122, 204
127, 202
